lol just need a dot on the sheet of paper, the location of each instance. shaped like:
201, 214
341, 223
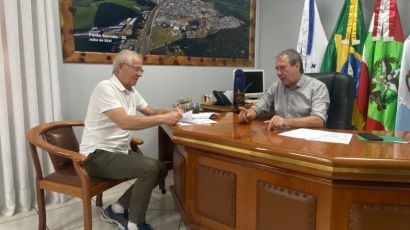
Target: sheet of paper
187, 115
206, 115
319, 135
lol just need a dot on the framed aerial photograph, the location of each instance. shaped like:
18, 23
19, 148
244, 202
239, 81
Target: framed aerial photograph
165, 32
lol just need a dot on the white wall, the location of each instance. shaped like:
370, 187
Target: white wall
161, 86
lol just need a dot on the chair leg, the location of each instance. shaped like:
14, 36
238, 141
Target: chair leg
162, 186
99, 200
87, 214
41, 209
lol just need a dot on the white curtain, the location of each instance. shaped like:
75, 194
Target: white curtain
29, 95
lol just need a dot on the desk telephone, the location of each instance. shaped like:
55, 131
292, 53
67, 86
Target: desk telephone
238, 91
221, 99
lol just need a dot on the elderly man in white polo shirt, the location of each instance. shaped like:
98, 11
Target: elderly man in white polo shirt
111, 115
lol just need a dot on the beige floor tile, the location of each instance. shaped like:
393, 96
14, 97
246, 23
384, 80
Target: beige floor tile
27, 222
164, 219
73, 200
100, 225
163, 204
157, 195
20, 215
162, 214
69, 217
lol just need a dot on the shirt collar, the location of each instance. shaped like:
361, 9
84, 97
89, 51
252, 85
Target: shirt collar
300, 82
114, 80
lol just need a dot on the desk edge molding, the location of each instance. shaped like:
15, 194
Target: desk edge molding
316, 166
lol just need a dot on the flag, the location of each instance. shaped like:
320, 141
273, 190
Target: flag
380, 68
344, 51
312, 39
403, 103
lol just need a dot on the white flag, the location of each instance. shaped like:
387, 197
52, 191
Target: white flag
403, 102
312, 41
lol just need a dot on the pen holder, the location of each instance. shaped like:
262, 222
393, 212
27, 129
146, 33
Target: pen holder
185, 104
238, 99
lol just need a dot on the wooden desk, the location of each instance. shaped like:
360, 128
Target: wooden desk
240, 176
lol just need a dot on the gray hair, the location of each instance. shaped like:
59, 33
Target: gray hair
124, 57
294, 57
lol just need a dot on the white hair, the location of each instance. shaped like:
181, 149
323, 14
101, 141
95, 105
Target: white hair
124, 57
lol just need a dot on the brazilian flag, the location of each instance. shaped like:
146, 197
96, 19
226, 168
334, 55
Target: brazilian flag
344, 50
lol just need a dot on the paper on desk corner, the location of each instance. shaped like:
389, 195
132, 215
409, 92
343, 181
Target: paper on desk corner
197, 118
183, 123
205, 115
319, 135
187, 115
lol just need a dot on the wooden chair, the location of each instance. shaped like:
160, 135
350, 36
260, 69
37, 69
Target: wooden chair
70, 177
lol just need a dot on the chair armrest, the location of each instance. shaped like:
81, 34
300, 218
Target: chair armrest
78, 163
135, 141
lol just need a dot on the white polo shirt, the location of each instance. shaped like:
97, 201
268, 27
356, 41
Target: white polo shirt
99, 131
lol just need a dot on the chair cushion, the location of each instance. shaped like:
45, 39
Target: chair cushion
64, 138
59, 180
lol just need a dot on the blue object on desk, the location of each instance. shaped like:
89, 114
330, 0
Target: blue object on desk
239, 81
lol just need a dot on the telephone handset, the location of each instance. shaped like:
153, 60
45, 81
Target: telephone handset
221, 99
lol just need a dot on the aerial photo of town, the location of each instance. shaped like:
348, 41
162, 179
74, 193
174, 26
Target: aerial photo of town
197, 28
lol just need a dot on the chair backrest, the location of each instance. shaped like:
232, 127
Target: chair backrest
341, 93
62, 137
55, 138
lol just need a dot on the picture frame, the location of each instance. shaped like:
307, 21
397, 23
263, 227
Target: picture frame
187, 36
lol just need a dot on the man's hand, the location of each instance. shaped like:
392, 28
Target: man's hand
173, 117
277, 122
245, 115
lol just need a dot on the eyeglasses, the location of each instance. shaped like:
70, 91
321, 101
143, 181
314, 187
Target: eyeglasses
136, 69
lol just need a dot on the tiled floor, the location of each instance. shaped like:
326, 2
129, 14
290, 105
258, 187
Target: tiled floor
162, 213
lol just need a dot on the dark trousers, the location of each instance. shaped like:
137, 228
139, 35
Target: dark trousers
148, 172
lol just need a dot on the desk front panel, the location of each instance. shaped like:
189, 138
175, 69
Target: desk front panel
225, 193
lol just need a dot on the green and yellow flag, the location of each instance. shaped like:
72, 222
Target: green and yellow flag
380, 67
343, 53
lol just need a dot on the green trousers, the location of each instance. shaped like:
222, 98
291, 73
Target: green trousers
148, 172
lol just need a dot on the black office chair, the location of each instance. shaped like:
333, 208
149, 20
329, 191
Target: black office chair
341, 93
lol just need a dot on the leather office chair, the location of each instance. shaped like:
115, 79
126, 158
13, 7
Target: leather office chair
59, 141
341, 93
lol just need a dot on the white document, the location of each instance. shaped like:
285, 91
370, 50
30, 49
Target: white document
206, 115
319, 135
196, 118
